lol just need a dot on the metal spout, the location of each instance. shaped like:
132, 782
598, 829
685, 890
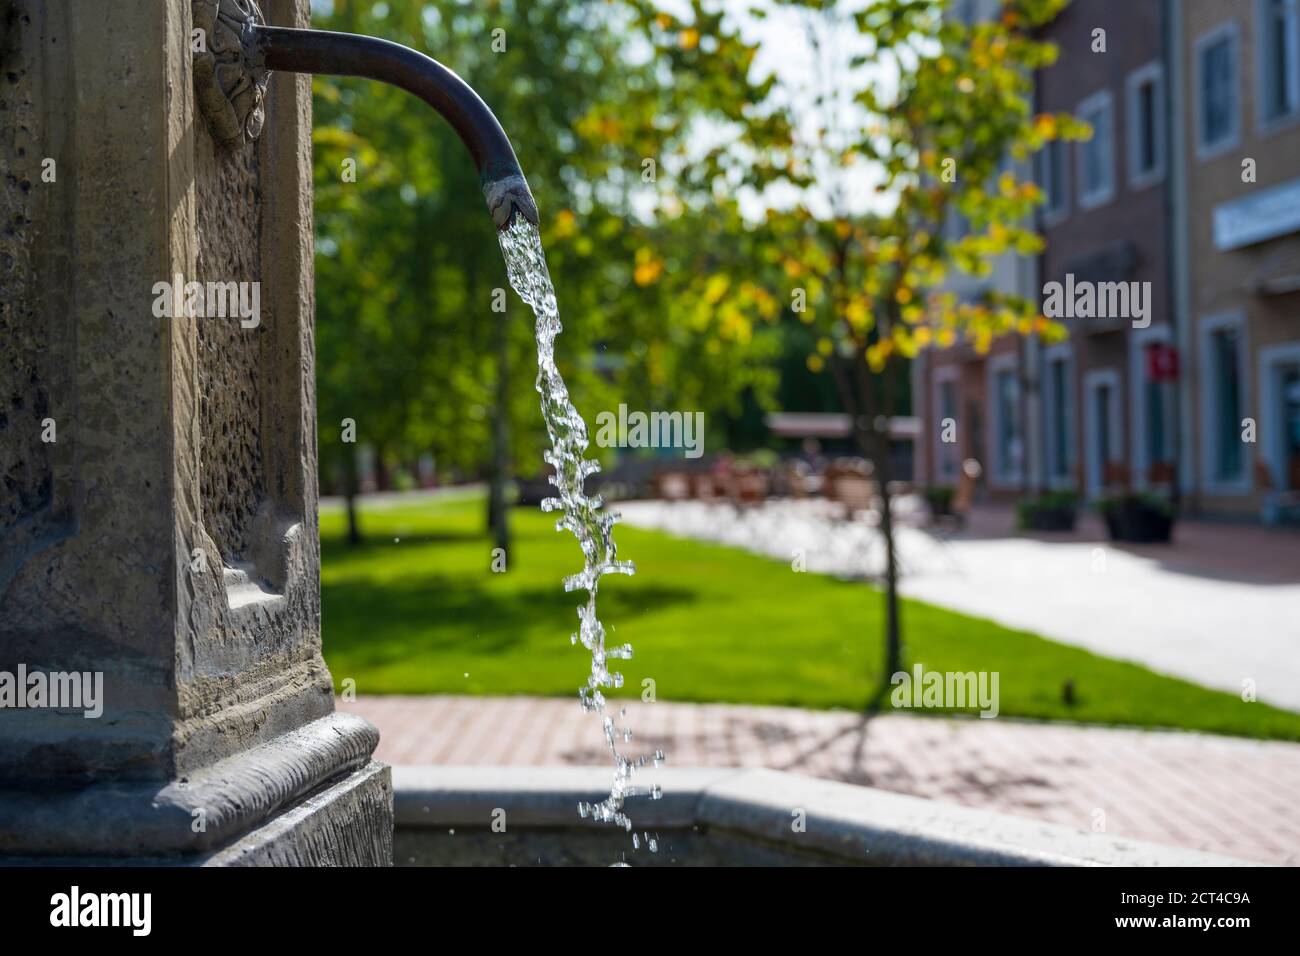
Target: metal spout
346, 54
230, 78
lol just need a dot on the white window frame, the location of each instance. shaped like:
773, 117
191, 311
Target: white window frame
1153, 73
1266, 125
945, 374
1061, 352
1230, 31
1137, 376
997, 365
1053, 215
1104, 193
1094, 469
1270, 431
1209, 391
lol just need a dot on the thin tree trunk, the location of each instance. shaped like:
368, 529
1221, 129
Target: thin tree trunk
893, 635
885, 469
498, 513
350, 494
868, 413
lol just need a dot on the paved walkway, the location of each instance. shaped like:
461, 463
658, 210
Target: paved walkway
1219, 607
1236, 797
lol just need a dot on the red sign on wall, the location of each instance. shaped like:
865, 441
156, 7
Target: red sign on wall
1162, 363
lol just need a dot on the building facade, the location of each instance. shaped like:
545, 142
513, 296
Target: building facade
979, 396
1239, 119
1172, 259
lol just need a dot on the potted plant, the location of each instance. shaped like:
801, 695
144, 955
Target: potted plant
1051, 511
1138, 518
939, 498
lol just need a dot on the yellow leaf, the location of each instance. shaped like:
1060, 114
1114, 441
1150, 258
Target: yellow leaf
648, 267
689, 38
566, 223
716, 288
879, 353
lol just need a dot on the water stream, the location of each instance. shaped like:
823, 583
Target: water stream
521, 245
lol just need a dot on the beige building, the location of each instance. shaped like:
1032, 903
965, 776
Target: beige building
1237, 162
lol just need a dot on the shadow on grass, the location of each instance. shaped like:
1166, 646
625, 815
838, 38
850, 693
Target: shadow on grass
385, 623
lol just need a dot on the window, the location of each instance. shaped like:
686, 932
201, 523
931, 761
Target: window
1279, 60
1159, 447
1153, 420
1146, 109
1225, 458
1052, 179
1058, 418
1097, 155
1225, 366
1216, 87
1103, 429
945, 452
1005, 430
958, 226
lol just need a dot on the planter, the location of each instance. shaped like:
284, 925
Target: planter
1139, 521
939, 500
1051, 512
1047, 519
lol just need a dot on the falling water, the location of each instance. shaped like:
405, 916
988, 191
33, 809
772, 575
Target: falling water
521, 245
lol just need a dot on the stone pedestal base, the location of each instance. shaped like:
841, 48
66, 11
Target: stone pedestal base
349, 823
312, 796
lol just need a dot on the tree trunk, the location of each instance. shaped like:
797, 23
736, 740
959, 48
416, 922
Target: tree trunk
350, 493
893, 635
875, 446
498, 513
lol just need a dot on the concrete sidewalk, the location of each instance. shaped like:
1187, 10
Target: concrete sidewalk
1220, 606
1219, 794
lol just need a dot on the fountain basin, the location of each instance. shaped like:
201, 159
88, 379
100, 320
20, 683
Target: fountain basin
444, 816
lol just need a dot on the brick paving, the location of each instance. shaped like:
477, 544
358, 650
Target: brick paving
1224, 795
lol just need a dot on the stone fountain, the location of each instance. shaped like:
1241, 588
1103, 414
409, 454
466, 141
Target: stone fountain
159, 553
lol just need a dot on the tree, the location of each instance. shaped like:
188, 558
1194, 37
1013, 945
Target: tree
602, 101
933, 108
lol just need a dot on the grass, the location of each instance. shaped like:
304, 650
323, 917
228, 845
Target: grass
416, 609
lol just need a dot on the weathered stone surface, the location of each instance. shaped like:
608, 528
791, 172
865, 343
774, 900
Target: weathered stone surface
349, 823
168, 538
444, 816
196, 813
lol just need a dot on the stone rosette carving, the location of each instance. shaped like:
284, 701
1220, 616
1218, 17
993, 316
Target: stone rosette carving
229, 84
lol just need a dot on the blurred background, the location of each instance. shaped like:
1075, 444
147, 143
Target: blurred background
827, 232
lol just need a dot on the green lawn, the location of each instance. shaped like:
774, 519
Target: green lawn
417, 609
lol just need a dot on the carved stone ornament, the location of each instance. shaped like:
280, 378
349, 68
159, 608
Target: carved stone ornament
229, 83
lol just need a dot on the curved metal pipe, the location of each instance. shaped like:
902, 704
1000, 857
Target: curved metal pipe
347, 54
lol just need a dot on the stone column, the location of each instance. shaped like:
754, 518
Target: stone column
158, 482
